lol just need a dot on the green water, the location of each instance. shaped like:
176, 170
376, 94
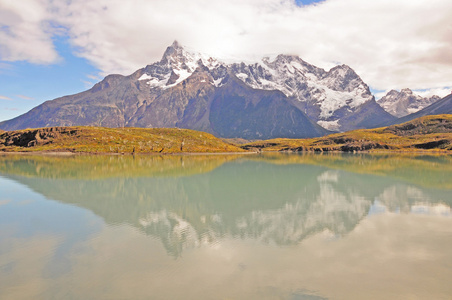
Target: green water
226, 227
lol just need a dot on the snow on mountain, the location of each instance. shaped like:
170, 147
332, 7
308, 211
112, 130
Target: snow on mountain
325, 97
405, 102
176, 65
321, 93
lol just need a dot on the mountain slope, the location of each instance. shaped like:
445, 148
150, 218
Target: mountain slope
238, 110
109, 103
405, 102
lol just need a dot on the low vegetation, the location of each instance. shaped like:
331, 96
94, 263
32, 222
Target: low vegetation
113, 140
430, 133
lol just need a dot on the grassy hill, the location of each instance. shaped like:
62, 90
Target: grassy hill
113, 140
425, 133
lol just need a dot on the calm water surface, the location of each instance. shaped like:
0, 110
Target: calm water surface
226, 227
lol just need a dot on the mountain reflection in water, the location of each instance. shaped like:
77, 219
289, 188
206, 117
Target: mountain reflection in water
187, 201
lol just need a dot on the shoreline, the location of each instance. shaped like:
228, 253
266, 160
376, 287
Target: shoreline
69, 153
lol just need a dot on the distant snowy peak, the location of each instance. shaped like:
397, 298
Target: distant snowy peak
405, 102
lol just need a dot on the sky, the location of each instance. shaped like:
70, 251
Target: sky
52, 48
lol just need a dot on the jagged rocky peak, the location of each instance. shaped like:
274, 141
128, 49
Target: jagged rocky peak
175, 56
405, 102
406, 91
343, 74
285, 59
292, 64
391, 93
178, 56
344, 78
342, 71
176, 65
173, 51
286, 73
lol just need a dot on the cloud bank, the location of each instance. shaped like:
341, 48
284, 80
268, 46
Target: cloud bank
391, 44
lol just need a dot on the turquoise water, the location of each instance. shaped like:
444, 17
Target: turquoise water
226, 227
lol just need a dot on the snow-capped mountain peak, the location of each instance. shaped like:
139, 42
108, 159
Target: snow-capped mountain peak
405, 102
407, 91
173, 51
176, 65
180, 57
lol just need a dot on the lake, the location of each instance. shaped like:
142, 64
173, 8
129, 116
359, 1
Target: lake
274, 226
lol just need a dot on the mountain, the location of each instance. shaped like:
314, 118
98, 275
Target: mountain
283, 97
443, 106
333, 99
405, 102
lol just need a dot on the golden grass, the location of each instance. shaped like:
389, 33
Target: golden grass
416, 135
118, 140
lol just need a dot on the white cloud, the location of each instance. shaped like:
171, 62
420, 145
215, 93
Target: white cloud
25, 32
94, 77
5, 98
391, 44
25, 97
442, 92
